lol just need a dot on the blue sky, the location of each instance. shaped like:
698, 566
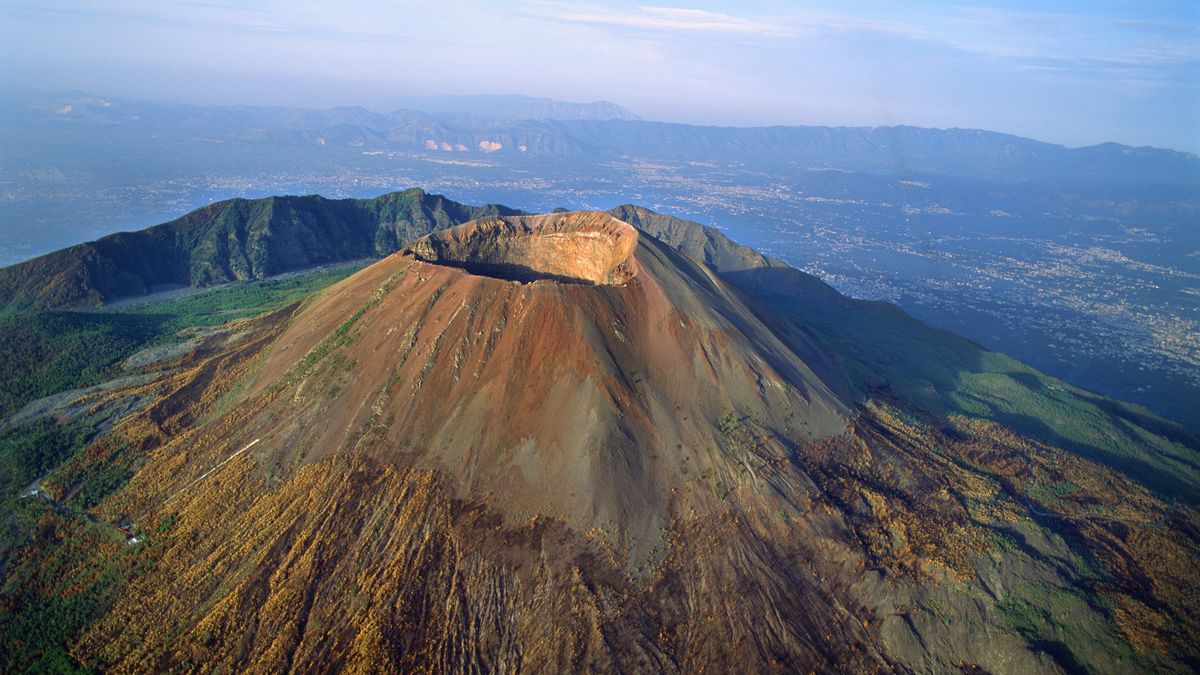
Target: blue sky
1069, 72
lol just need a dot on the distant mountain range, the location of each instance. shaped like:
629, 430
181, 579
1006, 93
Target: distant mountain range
521, 126
515, 107
77, 167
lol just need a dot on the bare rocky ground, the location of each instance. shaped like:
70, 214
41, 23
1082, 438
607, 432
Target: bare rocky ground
462, 458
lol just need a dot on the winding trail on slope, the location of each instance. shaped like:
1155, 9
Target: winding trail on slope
208, 473
35, 490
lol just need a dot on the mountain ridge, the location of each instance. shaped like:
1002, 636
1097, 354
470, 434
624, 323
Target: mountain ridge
900, 149
87, 275
760, 276
514, 107
560, 442
231, 240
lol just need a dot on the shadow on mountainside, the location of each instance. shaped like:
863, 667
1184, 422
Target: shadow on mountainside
948, 374
511, 272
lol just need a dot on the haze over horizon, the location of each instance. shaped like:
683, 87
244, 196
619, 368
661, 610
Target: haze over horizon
600, 336
1063, 72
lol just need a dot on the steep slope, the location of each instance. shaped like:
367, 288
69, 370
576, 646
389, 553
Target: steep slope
557, 362
555, 442
742, 265
880, 345
515, 443
694, 240
233, 240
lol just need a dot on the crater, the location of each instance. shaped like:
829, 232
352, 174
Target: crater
575, 247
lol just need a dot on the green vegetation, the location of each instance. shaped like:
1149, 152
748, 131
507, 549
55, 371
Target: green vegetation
93, 480
1029, 619
239, 301
1003, 542
1060, 622
74, 571
228, 241
73, 568
946, 374
736, 442
48, 352
32, 450
27, 453
1050, 493
729, 424
339, 337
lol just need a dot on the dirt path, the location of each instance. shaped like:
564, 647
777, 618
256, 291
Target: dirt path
180, 291
35, 490
208, 473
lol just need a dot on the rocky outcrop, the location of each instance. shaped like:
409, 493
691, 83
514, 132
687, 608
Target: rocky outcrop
587, 247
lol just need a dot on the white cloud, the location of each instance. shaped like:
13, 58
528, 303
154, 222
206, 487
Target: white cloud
656, 19
1050, 35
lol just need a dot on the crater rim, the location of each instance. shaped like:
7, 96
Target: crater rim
590, 248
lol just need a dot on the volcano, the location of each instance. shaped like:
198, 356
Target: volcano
559, 443
561, 364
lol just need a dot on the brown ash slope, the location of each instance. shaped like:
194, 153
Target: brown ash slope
557, 363
550, 443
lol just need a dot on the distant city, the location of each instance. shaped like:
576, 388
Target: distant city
1102, 292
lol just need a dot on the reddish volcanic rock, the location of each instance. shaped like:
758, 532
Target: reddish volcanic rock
557, 444
587, 400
